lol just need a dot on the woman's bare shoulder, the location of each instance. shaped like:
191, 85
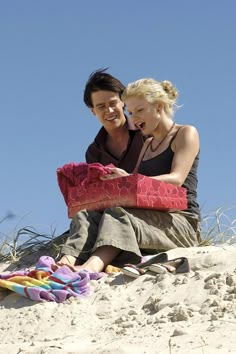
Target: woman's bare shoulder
186, 130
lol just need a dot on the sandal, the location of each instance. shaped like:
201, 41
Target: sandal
135, 271
175, 266
159, 258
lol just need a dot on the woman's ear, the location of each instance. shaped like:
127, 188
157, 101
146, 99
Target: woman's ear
159, 107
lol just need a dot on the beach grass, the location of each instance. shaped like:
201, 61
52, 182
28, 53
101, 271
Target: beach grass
27, 243
218, 227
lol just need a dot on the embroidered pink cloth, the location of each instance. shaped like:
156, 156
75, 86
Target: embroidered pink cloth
82, 188
79, 174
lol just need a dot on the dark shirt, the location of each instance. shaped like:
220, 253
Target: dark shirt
97, 151
161, 164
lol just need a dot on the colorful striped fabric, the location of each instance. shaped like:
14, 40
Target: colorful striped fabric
44, 284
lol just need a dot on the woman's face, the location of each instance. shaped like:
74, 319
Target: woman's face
143, 113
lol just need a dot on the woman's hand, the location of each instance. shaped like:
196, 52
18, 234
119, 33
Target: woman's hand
114, 172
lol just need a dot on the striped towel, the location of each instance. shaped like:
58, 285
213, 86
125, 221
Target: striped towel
43, 284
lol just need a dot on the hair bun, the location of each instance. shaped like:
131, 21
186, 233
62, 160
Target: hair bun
169, 89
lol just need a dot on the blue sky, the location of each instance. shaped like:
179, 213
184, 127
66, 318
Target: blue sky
49, 48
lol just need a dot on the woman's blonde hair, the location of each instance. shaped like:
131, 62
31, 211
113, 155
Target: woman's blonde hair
153, 91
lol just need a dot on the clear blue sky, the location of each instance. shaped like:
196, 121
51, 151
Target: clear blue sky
47, 51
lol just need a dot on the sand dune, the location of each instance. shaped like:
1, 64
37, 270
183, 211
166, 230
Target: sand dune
153, 314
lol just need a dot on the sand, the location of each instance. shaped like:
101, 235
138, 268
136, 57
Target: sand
153, 314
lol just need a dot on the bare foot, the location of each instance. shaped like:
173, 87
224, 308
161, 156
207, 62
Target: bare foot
67, 260
92, 265
96, 262
58, 265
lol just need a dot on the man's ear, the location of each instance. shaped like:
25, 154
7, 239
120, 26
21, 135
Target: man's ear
92, 110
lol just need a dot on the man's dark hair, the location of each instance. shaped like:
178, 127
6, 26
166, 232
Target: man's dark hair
99, 80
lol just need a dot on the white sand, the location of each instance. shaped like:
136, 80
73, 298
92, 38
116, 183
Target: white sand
162, 314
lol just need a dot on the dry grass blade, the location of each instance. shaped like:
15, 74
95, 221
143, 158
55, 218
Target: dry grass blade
219, 227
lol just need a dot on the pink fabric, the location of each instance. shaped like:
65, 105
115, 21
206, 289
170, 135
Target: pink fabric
82, 188
79, 174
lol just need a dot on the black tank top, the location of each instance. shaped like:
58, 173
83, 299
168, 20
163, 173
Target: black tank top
161, 164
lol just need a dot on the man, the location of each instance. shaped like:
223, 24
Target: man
118, 141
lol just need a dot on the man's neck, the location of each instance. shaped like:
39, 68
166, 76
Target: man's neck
119, 132
117, 140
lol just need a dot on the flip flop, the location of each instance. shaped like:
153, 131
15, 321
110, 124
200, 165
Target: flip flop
175, 266
135, 271
160, 269
132, 271
159, 258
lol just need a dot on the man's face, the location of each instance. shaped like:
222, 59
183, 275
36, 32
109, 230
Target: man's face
108, 108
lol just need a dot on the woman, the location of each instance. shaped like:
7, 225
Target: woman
171, 155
